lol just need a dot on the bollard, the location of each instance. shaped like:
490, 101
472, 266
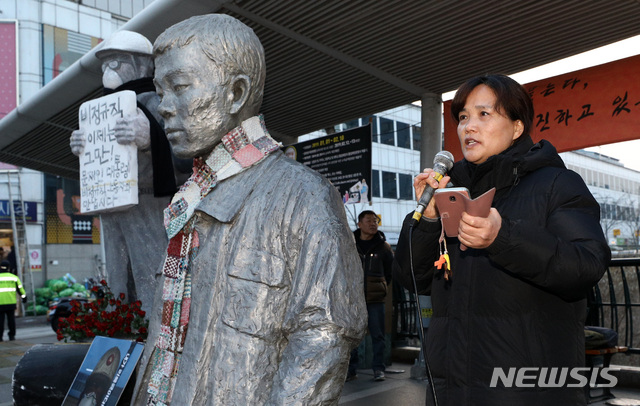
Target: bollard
45, 372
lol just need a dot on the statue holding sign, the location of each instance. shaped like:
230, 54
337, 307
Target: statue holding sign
121, 140
261, 296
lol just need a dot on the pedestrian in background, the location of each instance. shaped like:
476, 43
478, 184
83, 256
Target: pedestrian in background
377, 259
13, 263
9, 285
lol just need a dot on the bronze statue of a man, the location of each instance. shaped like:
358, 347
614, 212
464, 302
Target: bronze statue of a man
260, 299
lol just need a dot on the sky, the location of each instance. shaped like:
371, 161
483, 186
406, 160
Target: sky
627, 152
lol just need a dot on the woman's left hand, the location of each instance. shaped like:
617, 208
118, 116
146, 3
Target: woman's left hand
479, 232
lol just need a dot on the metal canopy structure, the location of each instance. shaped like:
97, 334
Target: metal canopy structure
334, 60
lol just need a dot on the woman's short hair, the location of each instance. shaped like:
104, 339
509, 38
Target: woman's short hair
512, 99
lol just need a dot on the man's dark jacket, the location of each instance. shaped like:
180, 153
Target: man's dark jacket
377, 264
521, 301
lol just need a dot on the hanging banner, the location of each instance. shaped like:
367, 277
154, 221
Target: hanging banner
593, 106
9, 67
344, 158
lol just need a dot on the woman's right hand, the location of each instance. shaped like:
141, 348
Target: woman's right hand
428, 177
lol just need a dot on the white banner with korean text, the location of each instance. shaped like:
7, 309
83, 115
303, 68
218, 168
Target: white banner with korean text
108, 170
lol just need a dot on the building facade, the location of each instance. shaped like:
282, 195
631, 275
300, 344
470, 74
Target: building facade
38, 40
617, 189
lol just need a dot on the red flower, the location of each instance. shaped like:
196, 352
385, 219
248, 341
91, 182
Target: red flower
105, 316
103, 282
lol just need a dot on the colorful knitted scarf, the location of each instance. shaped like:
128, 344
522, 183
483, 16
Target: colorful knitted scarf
241, 148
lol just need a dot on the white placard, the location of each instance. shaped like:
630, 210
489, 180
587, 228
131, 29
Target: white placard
108, 170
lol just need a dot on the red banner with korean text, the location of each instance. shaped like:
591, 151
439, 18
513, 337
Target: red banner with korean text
589, 107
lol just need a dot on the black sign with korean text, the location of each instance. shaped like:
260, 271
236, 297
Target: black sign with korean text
344, 158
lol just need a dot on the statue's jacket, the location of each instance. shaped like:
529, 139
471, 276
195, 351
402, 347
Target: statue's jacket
277, 299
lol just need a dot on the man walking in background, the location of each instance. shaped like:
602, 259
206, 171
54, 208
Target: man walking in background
376, 256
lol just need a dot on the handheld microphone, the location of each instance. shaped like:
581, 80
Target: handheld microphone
442, 162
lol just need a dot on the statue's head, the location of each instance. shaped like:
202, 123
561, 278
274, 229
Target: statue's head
125, 56
210, 73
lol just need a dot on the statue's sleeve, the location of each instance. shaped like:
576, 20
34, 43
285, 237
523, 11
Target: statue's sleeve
327, 313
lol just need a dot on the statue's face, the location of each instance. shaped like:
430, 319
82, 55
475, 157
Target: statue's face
195, 104
118, 68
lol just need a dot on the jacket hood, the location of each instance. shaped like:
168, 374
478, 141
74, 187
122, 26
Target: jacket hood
504, 170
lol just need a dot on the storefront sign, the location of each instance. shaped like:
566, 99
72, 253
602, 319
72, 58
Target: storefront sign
30, 210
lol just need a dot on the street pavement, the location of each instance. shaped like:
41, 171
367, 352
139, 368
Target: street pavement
29, 331
397, 390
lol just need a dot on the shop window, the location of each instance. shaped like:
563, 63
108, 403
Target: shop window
374, 127
352, 124
406, 186
415, 134
404, 135
389, 187
375, 183
386, 132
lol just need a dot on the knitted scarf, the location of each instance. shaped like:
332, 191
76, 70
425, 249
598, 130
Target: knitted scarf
241, 148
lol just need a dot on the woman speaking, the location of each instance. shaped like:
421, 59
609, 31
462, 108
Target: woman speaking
514, 296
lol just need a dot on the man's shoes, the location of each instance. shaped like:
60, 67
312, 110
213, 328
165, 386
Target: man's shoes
351, 377
378, 376
12, 339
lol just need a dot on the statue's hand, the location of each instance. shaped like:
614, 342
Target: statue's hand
133, 129
77, 142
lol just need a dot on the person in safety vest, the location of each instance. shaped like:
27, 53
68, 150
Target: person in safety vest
9, 285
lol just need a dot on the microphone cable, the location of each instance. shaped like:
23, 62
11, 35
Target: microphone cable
442, 163
423, 343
